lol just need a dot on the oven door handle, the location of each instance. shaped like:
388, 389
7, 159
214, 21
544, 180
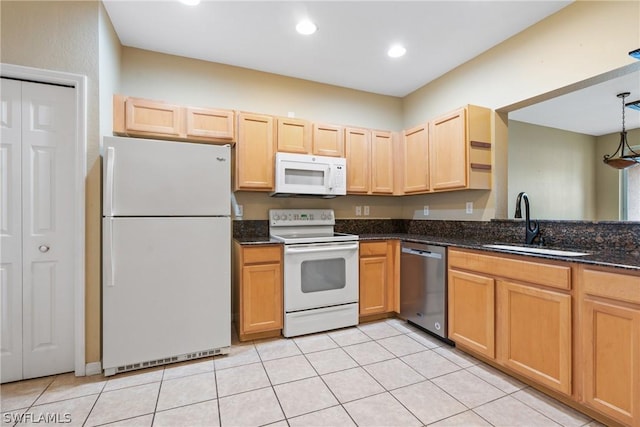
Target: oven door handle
307, 249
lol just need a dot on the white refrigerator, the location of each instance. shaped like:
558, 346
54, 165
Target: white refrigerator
166, 270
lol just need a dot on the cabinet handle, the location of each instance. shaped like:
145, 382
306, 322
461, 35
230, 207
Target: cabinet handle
44, 248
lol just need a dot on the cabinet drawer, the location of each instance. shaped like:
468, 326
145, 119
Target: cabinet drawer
373, 248
620, 287
516, 268
261, 254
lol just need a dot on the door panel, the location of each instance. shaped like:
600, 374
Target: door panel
11, 231
37, 153
48, 152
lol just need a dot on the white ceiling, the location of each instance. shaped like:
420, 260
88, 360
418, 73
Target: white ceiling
349, 48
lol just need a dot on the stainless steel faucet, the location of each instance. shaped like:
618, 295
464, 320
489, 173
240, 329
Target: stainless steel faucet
532, 229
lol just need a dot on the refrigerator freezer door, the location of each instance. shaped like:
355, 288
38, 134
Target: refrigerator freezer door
166, 288
144, 177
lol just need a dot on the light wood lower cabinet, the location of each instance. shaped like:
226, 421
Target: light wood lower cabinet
258, 289
610, 323
535, 333
379, 277
523, 325
472, 311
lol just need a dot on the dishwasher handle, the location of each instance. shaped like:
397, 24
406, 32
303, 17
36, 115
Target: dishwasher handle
422, 253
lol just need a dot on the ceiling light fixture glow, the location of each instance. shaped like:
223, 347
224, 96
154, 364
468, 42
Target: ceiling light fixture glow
190, 2
306, 27
396, 51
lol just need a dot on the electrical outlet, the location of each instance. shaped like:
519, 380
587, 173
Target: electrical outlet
358, 210
366, 211
426, 210
469, 207
239, 211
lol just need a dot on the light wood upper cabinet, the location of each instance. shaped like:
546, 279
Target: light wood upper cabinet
448, 155
379, 277
460, 149
210, 123
328, 140
382, 160
156, 119
254, 162
415, 161
357, 149
610, 323
370, 159
258, 291
294, 135
535, 333
145, 117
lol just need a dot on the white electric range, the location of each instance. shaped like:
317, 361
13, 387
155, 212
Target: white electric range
320, 271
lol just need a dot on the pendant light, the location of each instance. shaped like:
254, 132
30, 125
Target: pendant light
625, 160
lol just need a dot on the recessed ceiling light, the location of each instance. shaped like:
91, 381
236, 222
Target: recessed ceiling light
396, 51
306, 27
190, 2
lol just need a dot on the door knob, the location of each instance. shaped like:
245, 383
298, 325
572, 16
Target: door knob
43, 248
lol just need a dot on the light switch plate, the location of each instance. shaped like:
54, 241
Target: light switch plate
425, 211
469, 207
366, 211
358, 210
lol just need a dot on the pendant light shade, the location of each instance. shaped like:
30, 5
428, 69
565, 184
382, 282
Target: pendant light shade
623, 161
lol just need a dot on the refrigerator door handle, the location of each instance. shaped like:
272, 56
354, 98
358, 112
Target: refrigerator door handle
111, 161
109, 270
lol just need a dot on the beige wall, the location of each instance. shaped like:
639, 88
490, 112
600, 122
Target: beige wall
555, 168
189, 81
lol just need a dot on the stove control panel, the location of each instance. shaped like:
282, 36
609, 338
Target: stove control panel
301, 217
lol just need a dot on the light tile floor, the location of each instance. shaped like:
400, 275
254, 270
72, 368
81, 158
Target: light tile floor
385, 373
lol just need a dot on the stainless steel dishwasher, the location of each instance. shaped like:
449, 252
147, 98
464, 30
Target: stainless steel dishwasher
423, 287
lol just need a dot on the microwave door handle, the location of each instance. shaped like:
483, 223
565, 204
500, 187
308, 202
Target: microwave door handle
330, 178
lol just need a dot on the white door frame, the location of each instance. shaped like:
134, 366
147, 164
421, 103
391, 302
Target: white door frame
79, 82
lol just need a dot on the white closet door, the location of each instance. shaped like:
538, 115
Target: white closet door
38, 263
11, 231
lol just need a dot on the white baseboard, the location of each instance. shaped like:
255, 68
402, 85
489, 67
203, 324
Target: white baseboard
93, 368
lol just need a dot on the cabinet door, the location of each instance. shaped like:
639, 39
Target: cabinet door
254, 153
294, 135
261, 298
373, 285
357, 146
535, 333
416, 160
150, 117
448, 144
611, 345
472, 311
381, 162
328, 140
210, 124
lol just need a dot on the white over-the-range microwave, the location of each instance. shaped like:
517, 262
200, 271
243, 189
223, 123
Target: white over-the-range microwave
310, 176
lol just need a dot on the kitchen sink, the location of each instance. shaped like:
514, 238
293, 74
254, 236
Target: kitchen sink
544, 251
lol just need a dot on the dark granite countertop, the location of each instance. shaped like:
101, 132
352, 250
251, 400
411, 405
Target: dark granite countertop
628, 260
257, 240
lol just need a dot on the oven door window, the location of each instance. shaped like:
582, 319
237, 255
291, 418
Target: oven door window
323, 275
